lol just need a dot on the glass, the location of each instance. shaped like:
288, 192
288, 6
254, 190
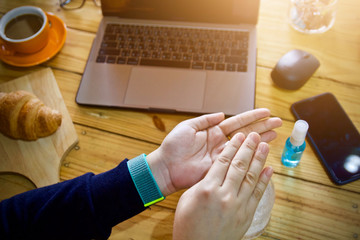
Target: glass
312, 16
76, 4
263, 213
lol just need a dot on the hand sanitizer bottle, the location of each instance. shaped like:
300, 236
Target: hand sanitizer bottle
295, 145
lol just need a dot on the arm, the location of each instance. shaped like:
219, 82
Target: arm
82, 208
94, 204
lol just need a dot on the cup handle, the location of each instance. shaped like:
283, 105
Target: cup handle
49, 20
5, 50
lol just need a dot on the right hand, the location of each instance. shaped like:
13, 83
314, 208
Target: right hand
222, 205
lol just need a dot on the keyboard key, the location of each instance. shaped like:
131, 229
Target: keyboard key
208, 58
209, 66
197, 65
164, 63
133, 61
242, 68
141, 46
198, 57
101, 59
224, 51
109, 52
110, 37
235, 59
219, 58
183, 49
156, 55
172, 48
111, 59
166, 55
176, 56
108, 45
220, 66
192, 49
121, 38
231, 67
187, 56
135, 53
121, 60
163, 47
125, 53
239, 52
145, 54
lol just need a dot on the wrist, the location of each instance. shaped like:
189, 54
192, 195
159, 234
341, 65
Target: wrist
144, 181
160, 172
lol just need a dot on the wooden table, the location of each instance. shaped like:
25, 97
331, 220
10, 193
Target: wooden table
308, 205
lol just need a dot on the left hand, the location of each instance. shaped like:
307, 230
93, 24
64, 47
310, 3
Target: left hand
189, 150
222, 205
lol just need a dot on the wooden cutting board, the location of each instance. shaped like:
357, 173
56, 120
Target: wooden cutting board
39, 160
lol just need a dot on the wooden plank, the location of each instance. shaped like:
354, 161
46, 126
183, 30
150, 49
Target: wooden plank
267, 95
277, 100
302, 210
101, 150
13, 184
300, 205
39, 160
143, 126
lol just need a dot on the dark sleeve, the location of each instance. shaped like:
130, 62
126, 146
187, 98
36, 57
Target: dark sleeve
86, 207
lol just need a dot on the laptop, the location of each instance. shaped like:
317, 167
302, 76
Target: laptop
195, 56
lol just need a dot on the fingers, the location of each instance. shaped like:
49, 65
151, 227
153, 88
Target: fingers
206, 121
241, 120
242, 166
268, 136
263, 127
255, 168
260, 188
221, 165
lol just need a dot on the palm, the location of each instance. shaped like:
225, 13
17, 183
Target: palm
192, 146
192, 153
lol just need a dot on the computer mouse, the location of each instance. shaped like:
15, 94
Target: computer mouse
294, 69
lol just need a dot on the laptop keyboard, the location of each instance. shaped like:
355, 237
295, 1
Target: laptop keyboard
217, 50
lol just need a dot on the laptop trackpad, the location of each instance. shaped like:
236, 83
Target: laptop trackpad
175, 89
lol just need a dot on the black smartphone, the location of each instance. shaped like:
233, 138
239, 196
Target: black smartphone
332, 135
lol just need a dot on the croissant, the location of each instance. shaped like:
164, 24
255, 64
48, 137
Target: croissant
24, 116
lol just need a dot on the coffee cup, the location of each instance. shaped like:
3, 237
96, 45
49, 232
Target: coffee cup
23, 30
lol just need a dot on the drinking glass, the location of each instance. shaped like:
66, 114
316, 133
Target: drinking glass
312, 16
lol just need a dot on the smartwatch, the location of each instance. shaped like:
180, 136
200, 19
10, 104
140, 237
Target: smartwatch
144, 181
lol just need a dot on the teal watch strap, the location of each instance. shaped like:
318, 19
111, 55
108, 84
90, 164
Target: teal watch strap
144, 180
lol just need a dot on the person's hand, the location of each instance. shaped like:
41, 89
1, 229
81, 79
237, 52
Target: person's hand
222, 205
189, 150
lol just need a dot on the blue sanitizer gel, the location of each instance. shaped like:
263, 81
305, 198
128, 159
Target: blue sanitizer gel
295, 145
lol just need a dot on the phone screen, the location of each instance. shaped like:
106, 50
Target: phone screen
332, 135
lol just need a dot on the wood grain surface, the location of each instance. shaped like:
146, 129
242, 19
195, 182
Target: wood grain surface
38, 160
308, 205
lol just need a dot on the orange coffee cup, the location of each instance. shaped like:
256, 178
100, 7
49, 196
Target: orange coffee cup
23, 30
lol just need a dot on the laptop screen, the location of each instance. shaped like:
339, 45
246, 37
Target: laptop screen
210, 11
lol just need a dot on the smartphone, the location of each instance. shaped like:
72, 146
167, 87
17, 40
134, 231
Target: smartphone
332, 135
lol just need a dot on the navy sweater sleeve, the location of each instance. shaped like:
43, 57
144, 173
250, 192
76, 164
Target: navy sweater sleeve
86, 207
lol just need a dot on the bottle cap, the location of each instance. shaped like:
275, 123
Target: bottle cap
299, 133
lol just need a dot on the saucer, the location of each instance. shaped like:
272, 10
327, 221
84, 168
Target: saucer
57, 36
